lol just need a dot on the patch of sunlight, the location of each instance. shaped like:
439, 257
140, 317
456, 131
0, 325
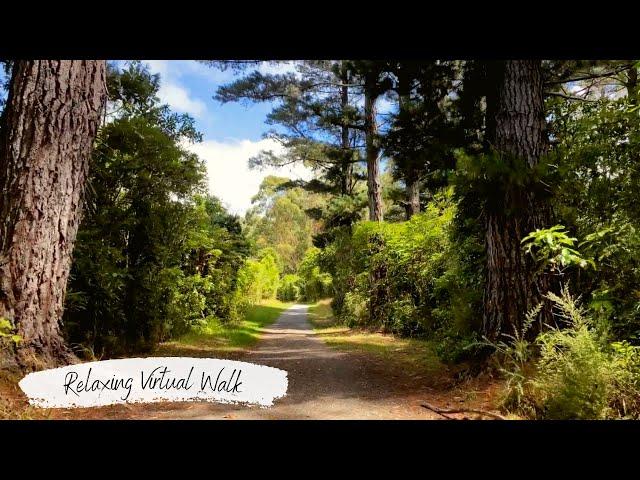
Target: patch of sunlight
321, 315
414, 354
216, 337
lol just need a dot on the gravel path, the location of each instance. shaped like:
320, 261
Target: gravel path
324, 383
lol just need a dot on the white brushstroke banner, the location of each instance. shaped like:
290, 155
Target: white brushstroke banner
155, 379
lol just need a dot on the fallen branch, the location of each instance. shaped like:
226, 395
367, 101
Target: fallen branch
444, 411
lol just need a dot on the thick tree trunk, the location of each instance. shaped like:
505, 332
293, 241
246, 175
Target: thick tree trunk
52, 116
374, 186
517, 127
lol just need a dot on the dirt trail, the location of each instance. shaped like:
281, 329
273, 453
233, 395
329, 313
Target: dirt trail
324, 383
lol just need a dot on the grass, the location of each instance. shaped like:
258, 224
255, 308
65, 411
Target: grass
407, 356
13, 403
214, 340
217, 339
416, 356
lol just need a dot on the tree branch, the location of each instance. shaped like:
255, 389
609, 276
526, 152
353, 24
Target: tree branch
444, 411
568, 97
590, 76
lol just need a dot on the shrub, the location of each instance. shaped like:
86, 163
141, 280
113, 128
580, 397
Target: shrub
8, 335
574, 373
578, 373
625, 394
408, 278
289, 289
259, 278
313, 283
187, 305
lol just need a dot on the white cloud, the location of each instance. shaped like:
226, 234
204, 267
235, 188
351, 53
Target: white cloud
385, 105
212, 74
172, 92
178, 99
230, 178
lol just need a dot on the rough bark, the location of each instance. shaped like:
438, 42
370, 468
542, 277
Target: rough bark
519, 135
52, 115
374, 187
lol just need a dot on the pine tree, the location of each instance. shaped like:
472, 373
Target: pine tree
51, 118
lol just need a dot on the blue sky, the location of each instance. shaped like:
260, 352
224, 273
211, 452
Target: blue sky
232, 132
188, 86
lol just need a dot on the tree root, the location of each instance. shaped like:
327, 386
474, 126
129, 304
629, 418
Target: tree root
444, 411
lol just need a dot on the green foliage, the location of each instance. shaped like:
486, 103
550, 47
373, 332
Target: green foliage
7, 333
615, 291
625, 366
289, 289
314, 284
404, 277
573, 372
310, 111
153, 257
278, 220
552, 247
598, 146
259, 278
513, 354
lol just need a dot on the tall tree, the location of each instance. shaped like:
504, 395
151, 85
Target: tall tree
51, 119
314, 117
517, 131
375, 78
372, 149
278, 220
411, 174
422, 134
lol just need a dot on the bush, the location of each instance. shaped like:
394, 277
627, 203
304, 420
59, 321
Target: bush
289, 289
187, 305
625, 395
574, 373
578, 374
355, 309
259, 278
313, 283
408, 278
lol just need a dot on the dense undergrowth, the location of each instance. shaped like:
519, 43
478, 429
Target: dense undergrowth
409, 278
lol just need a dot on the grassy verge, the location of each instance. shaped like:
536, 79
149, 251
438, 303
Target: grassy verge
416, 356
13, 403
216, 339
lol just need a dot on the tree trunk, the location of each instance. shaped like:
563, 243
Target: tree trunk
413, 197
347, 166
516, 113
411, 176
52, 115
374, 186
